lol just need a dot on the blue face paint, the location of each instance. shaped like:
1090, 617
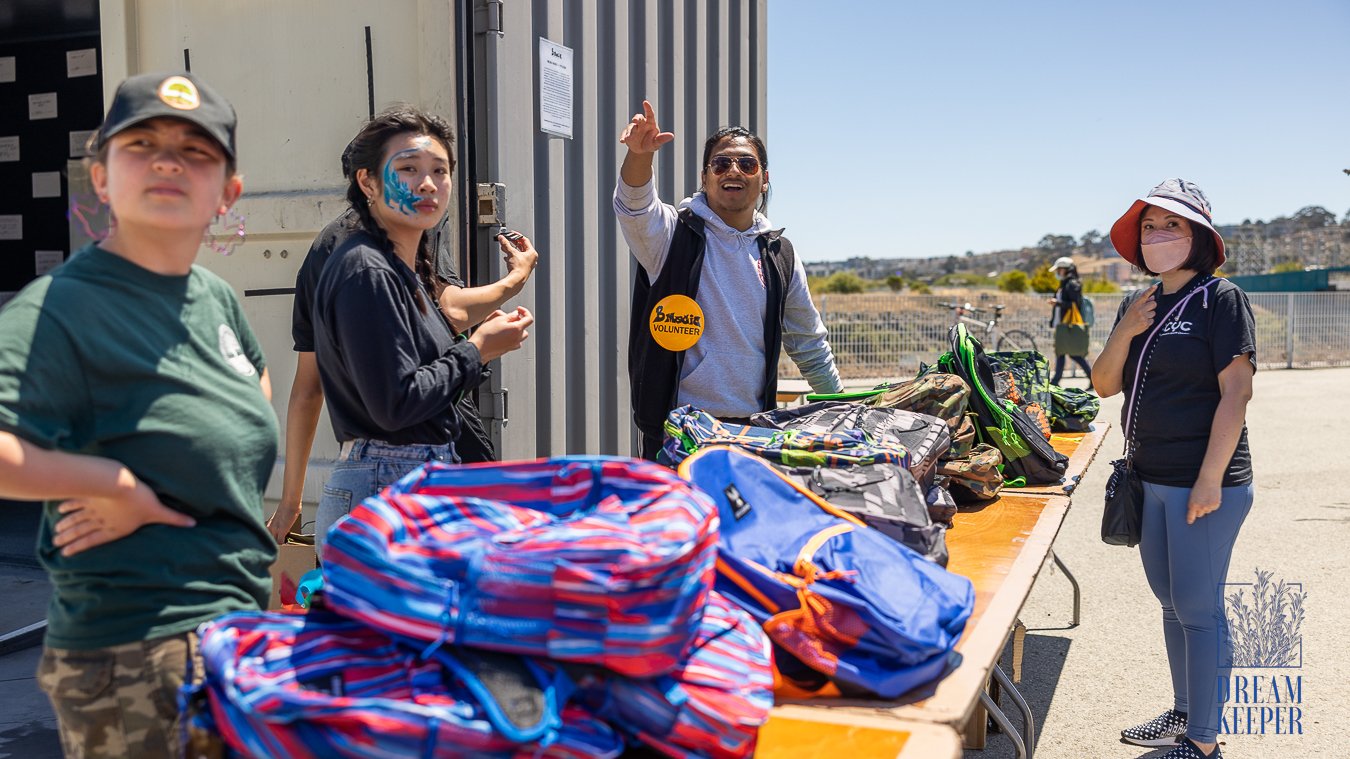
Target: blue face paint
397, 194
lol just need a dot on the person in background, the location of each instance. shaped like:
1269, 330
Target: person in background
1190, 449
1068, 319
134, 400
463, 306
389, 362
720, 251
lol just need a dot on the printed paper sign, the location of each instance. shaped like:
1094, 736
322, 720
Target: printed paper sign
46, 260
6, 68
81, 62
11, 226
555, 88
46, 184
42, 105
9, 148
77, 142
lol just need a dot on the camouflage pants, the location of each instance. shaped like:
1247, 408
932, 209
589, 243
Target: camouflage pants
120, 701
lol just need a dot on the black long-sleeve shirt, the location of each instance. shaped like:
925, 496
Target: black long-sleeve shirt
390, 371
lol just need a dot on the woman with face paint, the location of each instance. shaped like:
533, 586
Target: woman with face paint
391, 368
1186, 396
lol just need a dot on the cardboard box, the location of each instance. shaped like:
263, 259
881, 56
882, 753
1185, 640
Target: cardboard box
293, 561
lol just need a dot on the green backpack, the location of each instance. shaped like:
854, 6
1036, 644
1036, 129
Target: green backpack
1028, 457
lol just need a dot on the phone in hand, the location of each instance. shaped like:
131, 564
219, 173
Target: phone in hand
514, 237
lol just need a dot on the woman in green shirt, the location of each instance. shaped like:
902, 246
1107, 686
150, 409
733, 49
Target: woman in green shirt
135, 402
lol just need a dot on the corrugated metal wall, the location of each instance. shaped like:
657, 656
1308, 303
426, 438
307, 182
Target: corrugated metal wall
703, 65
297, 74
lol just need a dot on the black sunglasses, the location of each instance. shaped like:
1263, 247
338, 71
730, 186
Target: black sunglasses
721, 164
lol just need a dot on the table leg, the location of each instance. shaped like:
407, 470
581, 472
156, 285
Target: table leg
1077, 592
1019, 645
1028, 719
1003, 722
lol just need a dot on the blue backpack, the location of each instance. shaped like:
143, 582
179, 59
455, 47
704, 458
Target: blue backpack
849, 610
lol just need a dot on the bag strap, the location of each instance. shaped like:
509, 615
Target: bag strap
1144, 359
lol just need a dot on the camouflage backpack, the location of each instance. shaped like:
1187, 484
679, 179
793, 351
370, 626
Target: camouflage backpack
944, 396
1072, 409
974, 477
1030, 373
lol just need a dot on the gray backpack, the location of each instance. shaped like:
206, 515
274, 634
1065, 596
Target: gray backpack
886, 497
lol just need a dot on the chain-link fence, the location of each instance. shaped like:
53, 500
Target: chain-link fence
886, 335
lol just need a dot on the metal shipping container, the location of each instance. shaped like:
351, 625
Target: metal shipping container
304, 74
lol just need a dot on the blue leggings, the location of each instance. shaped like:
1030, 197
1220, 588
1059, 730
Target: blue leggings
1186, 566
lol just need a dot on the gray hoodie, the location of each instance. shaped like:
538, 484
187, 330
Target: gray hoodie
722, 371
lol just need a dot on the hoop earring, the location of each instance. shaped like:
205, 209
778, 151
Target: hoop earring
94, 218
225, 233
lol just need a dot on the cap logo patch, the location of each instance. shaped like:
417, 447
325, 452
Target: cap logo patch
178, 92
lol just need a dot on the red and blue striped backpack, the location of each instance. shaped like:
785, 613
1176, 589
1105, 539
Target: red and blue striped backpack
712, 706
850, 611
591, 560
315, 685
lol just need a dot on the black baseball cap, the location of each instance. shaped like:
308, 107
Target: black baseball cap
179, 95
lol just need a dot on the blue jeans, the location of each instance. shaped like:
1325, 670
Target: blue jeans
370, 466
1186, 566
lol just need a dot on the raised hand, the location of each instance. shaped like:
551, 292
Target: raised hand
642, 135
523, 258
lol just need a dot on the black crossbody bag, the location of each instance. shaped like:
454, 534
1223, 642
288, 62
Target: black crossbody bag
1123, 516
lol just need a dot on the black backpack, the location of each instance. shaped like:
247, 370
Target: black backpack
1026, 452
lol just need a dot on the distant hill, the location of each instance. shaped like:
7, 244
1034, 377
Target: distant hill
1311, 238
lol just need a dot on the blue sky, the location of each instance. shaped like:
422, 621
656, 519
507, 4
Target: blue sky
914, 129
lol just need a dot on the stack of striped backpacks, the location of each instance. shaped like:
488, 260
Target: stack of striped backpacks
586, 579
289, 685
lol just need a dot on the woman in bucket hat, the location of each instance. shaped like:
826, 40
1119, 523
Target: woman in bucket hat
1189, 443
134, 401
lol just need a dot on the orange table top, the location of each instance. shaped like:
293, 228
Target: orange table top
863, 737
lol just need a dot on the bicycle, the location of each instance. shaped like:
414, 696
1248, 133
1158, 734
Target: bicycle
1002, 340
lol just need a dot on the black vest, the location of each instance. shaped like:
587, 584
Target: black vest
653, 371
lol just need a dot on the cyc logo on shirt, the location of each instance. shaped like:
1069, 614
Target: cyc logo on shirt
233, 353
1177, 327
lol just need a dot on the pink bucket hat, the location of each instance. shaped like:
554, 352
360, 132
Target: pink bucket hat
1182, 198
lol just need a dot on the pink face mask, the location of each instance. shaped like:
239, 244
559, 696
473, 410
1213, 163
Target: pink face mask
1164, 249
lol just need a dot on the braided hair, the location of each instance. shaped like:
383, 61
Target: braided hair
366, 151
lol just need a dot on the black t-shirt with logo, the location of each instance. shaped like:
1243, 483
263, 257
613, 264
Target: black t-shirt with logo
1179, 392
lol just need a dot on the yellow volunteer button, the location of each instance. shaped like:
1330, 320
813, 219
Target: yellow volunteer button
676, 322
